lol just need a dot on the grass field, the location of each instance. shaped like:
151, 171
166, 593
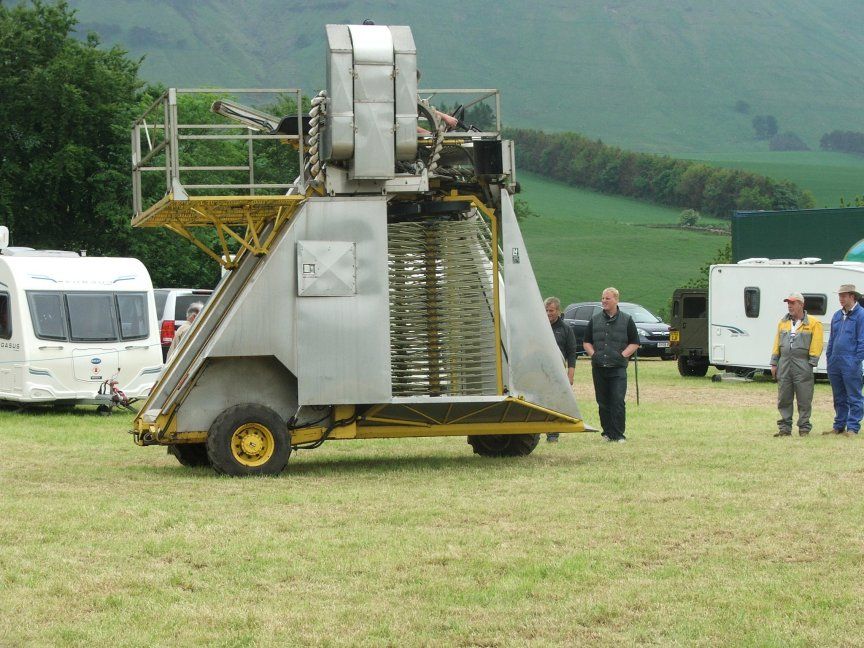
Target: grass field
702, 530
584, 241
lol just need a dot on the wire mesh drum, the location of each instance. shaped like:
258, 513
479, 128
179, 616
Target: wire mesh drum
442, 335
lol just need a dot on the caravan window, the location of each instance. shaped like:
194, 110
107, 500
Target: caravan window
49, 319
92, 317
5, 317
89, 316
815, 304
133, 315
751, 302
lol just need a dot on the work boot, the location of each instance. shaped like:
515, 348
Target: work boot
834, 431
803, 432
783, 433
849, 433
552, 438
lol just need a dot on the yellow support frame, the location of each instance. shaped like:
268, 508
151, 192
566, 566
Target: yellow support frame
391, 428
228, 215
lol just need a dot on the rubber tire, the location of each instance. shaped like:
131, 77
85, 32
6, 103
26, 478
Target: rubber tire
688, 368
699, 370
223, 428
103, 410
191, 455
503, 445
667, 357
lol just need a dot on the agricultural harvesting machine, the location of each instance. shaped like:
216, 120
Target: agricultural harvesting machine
385, 292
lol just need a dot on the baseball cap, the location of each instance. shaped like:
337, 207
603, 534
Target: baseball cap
795, 297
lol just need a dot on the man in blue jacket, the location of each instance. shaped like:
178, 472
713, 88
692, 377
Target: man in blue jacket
845, 354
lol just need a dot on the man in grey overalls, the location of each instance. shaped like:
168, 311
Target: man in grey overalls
797, 347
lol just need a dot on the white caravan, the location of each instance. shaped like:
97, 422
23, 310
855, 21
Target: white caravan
69, 323
745, 303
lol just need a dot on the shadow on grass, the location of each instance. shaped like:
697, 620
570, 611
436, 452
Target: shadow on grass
410, 464
49, 409
335, 466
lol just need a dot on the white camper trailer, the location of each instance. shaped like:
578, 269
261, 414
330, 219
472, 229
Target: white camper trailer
69, 323
745, 303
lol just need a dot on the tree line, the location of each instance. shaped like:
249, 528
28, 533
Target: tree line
843, 141
583, 162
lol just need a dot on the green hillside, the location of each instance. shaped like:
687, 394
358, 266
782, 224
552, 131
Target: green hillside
646, 74
584, 242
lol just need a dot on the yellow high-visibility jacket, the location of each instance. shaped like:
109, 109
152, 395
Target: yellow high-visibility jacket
807, 342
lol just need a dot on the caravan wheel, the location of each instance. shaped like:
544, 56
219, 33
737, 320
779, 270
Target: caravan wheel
248, 439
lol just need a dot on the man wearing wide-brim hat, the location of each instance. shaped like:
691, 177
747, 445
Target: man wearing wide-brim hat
797, 347
845, 354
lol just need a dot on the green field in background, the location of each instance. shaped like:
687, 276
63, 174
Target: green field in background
584, 241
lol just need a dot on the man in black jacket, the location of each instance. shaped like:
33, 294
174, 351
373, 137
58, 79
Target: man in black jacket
610, 339
566, 340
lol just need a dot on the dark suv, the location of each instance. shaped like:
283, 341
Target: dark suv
171, 306
653, 332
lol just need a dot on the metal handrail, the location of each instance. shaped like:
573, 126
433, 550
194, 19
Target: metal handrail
160, 131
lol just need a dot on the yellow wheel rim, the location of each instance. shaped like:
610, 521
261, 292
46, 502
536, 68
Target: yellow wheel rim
252, 444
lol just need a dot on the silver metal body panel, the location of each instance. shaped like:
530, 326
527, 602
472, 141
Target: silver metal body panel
326, 269
225, 382
251, 313
536, 370
374, 103
343, 343
405, 78
260, 318
337, 141
338, 183
508, 158
374, 157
